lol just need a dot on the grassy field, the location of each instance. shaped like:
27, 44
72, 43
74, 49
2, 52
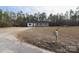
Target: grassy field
43, 37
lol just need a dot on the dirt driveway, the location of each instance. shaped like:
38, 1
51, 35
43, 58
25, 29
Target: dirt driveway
9, 43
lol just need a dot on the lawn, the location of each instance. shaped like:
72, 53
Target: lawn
43, 37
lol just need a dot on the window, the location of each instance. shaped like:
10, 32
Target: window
29, 23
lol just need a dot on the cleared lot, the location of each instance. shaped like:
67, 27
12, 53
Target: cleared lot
10, 44
68, 40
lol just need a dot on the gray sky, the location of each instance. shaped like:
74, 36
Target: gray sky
55, 9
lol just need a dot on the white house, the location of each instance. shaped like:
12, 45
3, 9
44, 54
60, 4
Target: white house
37, 24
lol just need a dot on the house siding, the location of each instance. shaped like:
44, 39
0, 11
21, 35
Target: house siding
37, 24
30, 24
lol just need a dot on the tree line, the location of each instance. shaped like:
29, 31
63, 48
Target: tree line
10, 18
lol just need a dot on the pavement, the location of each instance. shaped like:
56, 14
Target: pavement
10, 44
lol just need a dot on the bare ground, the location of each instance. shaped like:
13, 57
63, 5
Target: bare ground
10, 44
68, 40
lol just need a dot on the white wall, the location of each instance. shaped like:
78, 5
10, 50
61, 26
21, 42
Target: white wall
36, 24
29, 24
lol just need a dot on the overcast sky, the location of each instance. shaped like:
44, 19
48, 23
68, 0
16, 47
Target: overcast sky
35, 9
